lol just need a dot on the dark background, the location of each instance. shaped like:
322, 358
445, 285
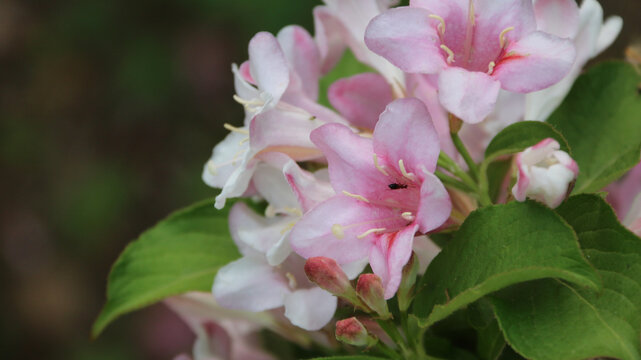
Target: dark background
108, 111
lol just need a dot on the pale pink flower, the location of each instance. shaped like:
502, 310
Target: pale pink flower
477, 47
386, 192
633, 220
545, 173
621, 194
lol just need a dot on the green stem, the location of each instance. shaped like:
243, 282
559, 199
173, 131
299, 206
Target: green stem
458, 143
452, 182
390, 329
450, 165
390, 353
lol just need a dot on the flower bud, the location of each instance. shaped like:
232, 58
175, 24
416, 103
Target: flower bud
545, 173
351, 331
406, 288
328, 275
370, 289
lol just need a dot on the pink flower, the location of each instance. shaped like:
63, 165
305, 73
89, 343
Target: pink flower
545, 173
633, 220
621, 194
477, 47
386, 193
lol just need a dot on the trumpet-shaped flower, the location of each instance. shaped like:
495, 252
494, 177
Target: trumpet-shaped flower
477, 47
386, 192
545, 173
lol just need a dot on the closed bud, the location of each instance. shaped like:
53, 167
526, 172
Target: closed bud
326, 273
352, 332
406, 288
370, 289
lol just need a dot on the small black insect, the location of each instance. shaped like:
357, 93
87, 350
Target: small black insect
396, 186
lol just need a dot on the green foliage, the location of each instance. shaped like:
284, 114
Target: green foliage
180, 254
601, 121
520, 136
496, 247
550, 319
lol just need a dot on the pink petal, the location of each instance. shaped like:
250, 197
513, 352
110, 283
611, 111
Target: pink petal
270, 183
389, 255
310, 309
540, 60
303, 56
470, 96
350, 159
405, 132
406, 38
557, 17
268, 65
308, 190
435, 205
250, 284
330, 35
332, 228
361, 98
253, 233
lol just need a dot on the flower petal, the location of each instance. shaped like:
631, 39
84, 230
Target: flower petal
238, 182
361, 98
309, 190
471, 96
310, 309
303, 56
272, 185
609, 32
557, 17
435, 205
540, 60
405, 132
389, 255
329, 33
250, 284
252, 231
268, 65
406, 38
226, 157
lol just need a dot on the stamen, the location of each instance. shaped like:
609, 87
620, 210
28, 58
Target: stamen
370, 231
288, 227
357, 197
502, 39
491, 67
270, 211
401, 166
243, 141
379, 167
293, 284
441, 26
450, 54
338, 232
236, 129
293, 211
408, 216
472, 13
250, 105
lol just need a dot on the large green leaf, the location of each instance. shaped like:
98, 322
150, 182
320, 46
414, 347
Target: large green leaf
496, 247
550, 319
601, 119
180, 254
518, 137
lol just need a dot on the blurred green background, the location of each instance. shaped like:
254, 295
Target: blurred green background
108, 111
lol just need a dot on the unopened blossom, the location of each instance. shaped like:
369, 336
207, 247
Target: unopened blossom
544, 173
278, 87
353, 332
386, 192
476, 47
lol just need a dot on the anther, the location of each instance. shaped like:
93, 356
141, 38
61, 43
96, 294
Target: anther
491, 67
338, 232
236, 129
502, 39
401, 166
357, 197
379, 167
293, 284
370, 231
441, 26
408, 216
450, 54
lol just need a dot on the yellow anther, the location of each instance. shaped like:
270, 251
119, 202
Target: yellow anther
236, 129
401, 165
491, 67
379, 167
293, 284
502, 39
408, 216
270, 211
338, 232
370, 231
441, 26
450, 54
357, 197
293, 211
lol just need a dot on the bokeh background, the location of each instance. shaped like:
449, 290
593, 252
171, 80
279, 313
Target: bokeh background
108, 111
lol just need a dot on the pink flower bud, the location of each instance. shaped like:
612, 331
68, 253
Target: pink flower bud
370, 289
352, 332
545, 173
326, 273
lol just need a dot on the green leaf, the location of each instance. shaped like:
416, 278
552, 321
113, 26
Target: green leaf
496, 173
600, 120
520, 136
180, 254
346, 67
550, 319
496, 247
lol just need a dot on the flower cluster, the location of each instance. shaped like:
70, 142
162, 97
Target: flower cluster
366, 178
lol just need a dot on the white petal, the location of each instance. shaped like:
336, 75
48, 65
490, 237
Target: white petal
310, 309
